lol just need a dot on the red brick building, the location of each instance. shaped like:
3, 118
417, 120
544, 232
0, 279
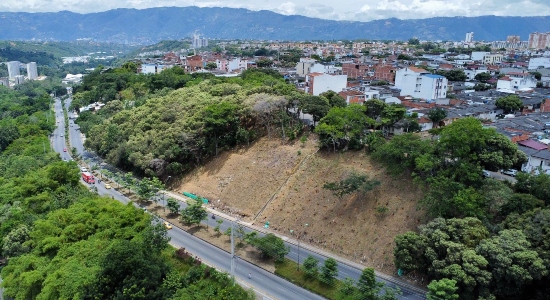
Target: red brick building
384, 72
353, 97
354, 70
194, 63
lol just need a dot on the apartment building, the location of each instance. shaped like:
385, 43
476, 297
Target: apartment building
420, 83
303, 67
318, 83
539, 40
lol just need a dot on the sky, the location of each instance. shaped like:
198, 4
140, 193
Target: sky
351, 10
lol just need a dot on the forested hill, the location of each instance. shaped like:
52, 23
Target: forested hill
154, 24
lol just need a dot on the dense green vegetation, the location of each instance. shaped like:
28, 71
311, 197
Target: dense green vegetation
48, 55
148, 127
63, 242
486, 239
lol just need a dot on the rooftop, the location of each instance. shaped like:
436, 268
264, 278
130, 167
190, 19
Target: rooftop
533, 144
433, 76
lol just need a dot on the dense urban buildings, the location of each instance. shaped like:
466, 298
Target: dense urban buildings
539, 40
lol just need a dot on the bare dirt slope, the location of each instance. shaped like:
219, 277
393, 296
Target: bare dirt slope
283, 185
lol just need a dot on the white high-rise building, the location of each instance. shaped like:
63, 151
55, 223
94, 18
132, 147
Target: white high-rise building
13, 69
32, 72
469, 37
199, 42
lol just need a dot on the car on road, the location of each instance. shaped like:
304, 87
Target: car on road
107, 186
64, 149
510, 172
83, 169
486, 174
61, 135
167, 225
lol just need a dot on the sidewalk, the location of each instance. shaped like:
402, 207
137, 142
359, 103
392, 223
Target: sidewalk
303, 245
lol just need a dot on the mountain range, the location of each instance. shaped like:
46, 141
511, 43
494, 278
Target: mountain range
169, 23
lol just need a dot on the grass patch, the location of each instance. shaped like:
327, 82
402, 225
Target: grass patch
288, 270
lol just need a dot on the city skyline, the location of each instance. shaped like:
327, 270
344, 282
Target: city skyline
350, 10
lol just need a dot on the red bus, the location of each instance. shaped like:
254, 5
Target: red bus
88, 177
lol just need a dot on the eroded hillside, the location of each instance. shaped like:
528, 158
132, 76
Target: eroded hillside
283, 184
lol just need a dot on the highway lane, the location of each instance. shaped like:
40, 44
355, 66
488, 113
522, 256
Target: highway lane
265, 283
268, 283
58, 136
409, 291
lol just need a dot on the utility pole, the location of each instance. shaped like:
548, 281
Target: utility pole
232, 252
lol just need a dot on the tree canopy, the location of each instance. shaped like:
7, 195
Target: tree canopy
509, 103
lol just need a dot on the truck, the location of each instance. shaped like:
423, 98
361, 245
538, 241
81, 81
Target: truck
88, 177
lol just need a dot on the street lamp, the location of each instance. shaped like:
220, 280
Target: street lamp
298, 238
164, 206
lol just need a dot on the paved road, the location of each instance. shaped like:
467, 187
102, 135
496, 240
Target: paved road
271, 284
265, 283
500, 176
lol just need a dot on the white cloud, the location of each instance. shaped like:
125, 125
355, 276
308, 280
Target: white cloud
287, 8
356, 10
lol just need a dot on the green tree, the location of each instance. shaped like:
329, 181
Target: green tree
447, 249
264, 63
409, 251
535, 224
453, 75
211, 65
465, 145
374, 108
538, 75
334, 100
218, 225
444, 289
173, 205
483, 77
536, 185
310, 265
520, 203
404, 152
368, 287
270, 246
13, 244
353, 183
347, 288
329, 271
512, 262
342, 127
8, 134
316, 106
194, 213
509, 103
436, 115
128, 181
220, 120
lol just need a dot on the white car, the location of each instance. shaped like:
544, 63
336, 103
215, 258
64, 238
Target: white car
83, 169
486, 174
510, 172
